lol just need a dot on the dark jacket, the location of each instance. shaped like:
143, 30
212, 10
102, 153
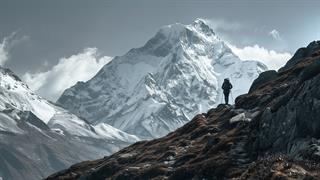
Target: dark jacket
226, 86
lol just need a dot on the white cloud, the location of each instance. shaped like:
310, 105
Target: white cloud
4, 55
8, 43
274, 60
70, 70
275, 34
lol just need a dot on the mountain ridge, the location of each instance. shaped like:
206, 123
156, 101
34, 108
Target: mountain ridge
38, 137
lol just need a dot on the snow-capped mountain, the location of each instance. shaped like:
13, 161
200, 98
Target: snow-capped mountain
39, 138
157, 88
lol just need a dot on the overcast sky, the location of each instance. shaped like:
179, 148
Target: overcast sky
40, 40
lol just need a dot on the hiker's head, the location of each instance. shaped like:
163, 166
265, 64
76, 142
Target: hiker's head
226, 79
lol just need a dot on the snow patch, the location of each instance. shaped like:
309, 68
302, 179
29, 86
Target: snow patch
239, 117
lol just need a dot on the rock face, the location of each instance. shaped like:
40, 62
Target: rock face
270, 133
38, 138
263, 78
153, 90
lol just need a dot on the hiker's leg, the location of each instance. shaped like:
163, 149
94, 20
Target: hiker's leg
226, 97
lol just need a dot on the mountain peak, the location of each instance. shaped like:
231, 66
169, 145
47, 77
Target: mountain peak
178, 35
199, 21
201, 26
10, 73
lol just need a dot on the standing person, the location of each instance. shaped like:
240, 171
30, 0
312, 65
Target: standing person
226, 86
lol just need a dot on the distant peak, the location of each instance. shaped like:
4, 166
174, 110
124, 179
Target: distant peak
174, 35
199, 25
7, 71
199, 22
202, 26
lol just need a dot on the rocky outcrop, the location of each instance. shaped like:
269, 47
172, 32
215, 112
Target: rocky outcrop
311, 50
270, 133
263, 78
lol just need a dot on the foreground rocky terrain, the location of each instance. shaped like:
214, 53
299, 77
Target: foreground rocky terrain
270, 133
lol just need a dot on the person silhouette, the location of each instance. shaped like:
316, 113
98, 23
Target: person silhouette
226, 86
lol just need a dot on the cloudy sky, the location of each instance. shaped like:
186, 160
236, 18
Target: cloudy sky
53, 44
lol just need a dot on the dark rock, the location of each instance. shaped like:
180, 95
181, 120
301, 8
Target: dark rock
293, 116
29, 117
310, 71
263, 78
301, 54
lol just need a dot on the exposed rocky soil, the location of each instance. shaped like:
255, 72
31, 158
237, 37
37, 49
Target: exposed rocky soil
271, 133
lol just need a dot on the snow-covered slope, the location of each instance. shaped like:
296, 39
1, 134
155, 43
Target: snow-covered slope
38, 138
157, 88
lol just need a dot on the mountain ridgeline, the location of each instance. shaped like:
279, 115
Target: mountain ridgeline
272, 132
153, 90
